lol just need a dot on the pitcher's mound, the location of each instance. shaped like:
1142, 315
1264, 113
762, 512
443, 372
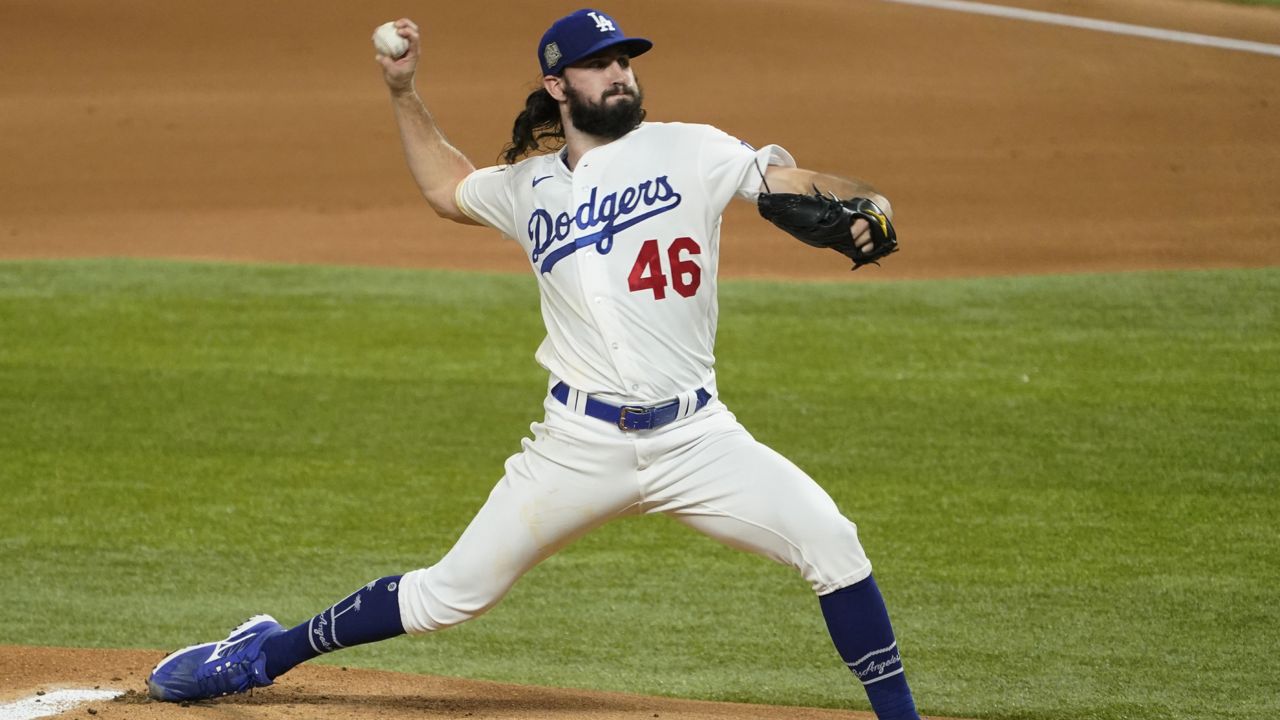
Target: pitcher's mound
328, 693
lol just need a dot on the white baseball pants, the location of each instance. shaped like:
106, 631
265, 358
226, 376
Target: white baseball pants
577, 473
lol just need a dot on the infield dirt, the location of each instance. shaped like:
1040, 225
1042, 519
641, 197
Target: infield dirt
257, 131
329, 693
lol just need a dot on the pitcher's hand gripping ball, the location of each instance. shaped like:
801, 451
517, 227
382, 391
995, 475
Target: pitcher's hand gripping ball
389, 42
824, 221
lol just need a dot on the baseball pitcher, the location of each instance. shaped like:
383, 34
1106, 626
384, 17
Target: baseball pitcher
620, 221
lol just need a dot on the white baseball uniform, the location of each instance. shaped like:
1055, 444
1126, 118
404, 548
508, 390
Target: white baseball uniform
626, 248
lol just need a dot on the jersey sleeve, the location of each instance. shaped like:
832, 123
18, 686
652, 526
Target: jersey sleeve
485, 196
732, 167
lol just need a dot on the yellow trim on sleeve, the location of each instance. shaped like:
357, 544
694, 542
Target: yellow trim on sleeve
462, 205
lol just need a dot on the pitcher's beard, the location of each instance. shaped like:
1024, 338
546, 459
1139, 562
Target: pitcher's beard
609, 120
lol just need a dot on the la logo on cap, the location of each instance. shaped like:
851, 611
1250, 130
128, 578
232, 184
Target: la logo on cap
603, 23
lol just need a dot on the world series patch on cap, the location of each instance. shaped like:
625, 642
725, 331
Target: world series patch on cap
580, 35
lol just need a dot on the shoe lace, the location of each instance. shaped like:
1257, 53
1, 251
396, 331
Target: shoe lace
234, 677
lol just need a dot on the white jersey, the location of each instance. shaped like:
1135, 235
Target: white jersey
626, 249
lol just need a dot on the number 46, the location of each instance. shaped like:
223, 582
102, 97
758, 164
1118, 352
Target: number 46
686, 274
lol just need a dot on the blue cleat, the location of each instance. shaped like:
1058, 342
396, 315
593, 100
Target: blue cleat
210, 670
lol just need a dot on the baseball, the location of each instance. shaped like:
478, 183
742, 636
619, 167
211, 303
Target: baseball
388, 41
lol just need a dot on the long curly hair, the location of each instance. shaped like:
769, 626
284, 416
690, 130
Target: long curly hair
536, 128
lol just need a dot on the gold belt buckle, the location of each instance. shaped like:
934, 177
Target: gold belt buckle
622, 416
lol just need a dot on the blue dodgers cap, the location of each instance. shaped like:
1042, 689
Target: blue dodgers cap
581, 34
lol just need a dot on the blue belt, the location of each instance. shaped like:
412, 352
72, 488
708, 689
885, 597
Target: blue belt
631, 417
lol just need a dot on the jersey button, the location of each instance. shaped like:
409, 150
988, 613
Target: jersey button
615, 346
635, 387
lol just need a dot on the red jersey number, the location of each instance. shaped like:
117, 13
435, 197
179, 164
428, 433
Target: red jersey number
686, 274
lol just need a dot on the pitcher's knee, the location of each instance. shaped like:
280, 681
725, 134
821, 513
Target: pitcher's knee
833, 556
429, 602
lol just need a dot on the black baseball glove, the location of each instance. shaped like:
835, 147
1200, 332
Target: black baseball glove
824, 221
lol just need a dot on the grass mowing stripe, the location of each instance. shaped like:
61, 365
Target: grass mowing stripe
1068, 484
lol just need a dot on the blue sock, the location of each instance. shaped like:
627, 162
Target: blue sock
859, 627
369, 614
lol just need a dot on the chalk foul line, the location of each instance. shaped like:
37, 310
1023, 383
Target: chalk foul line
1107, 26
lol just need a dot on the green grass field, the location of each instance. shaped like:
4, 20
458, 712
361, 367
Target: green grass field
1070, 485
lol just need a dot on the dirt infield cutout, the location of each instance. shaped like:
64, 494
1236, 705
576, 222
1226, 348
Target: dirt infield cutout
329, 693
